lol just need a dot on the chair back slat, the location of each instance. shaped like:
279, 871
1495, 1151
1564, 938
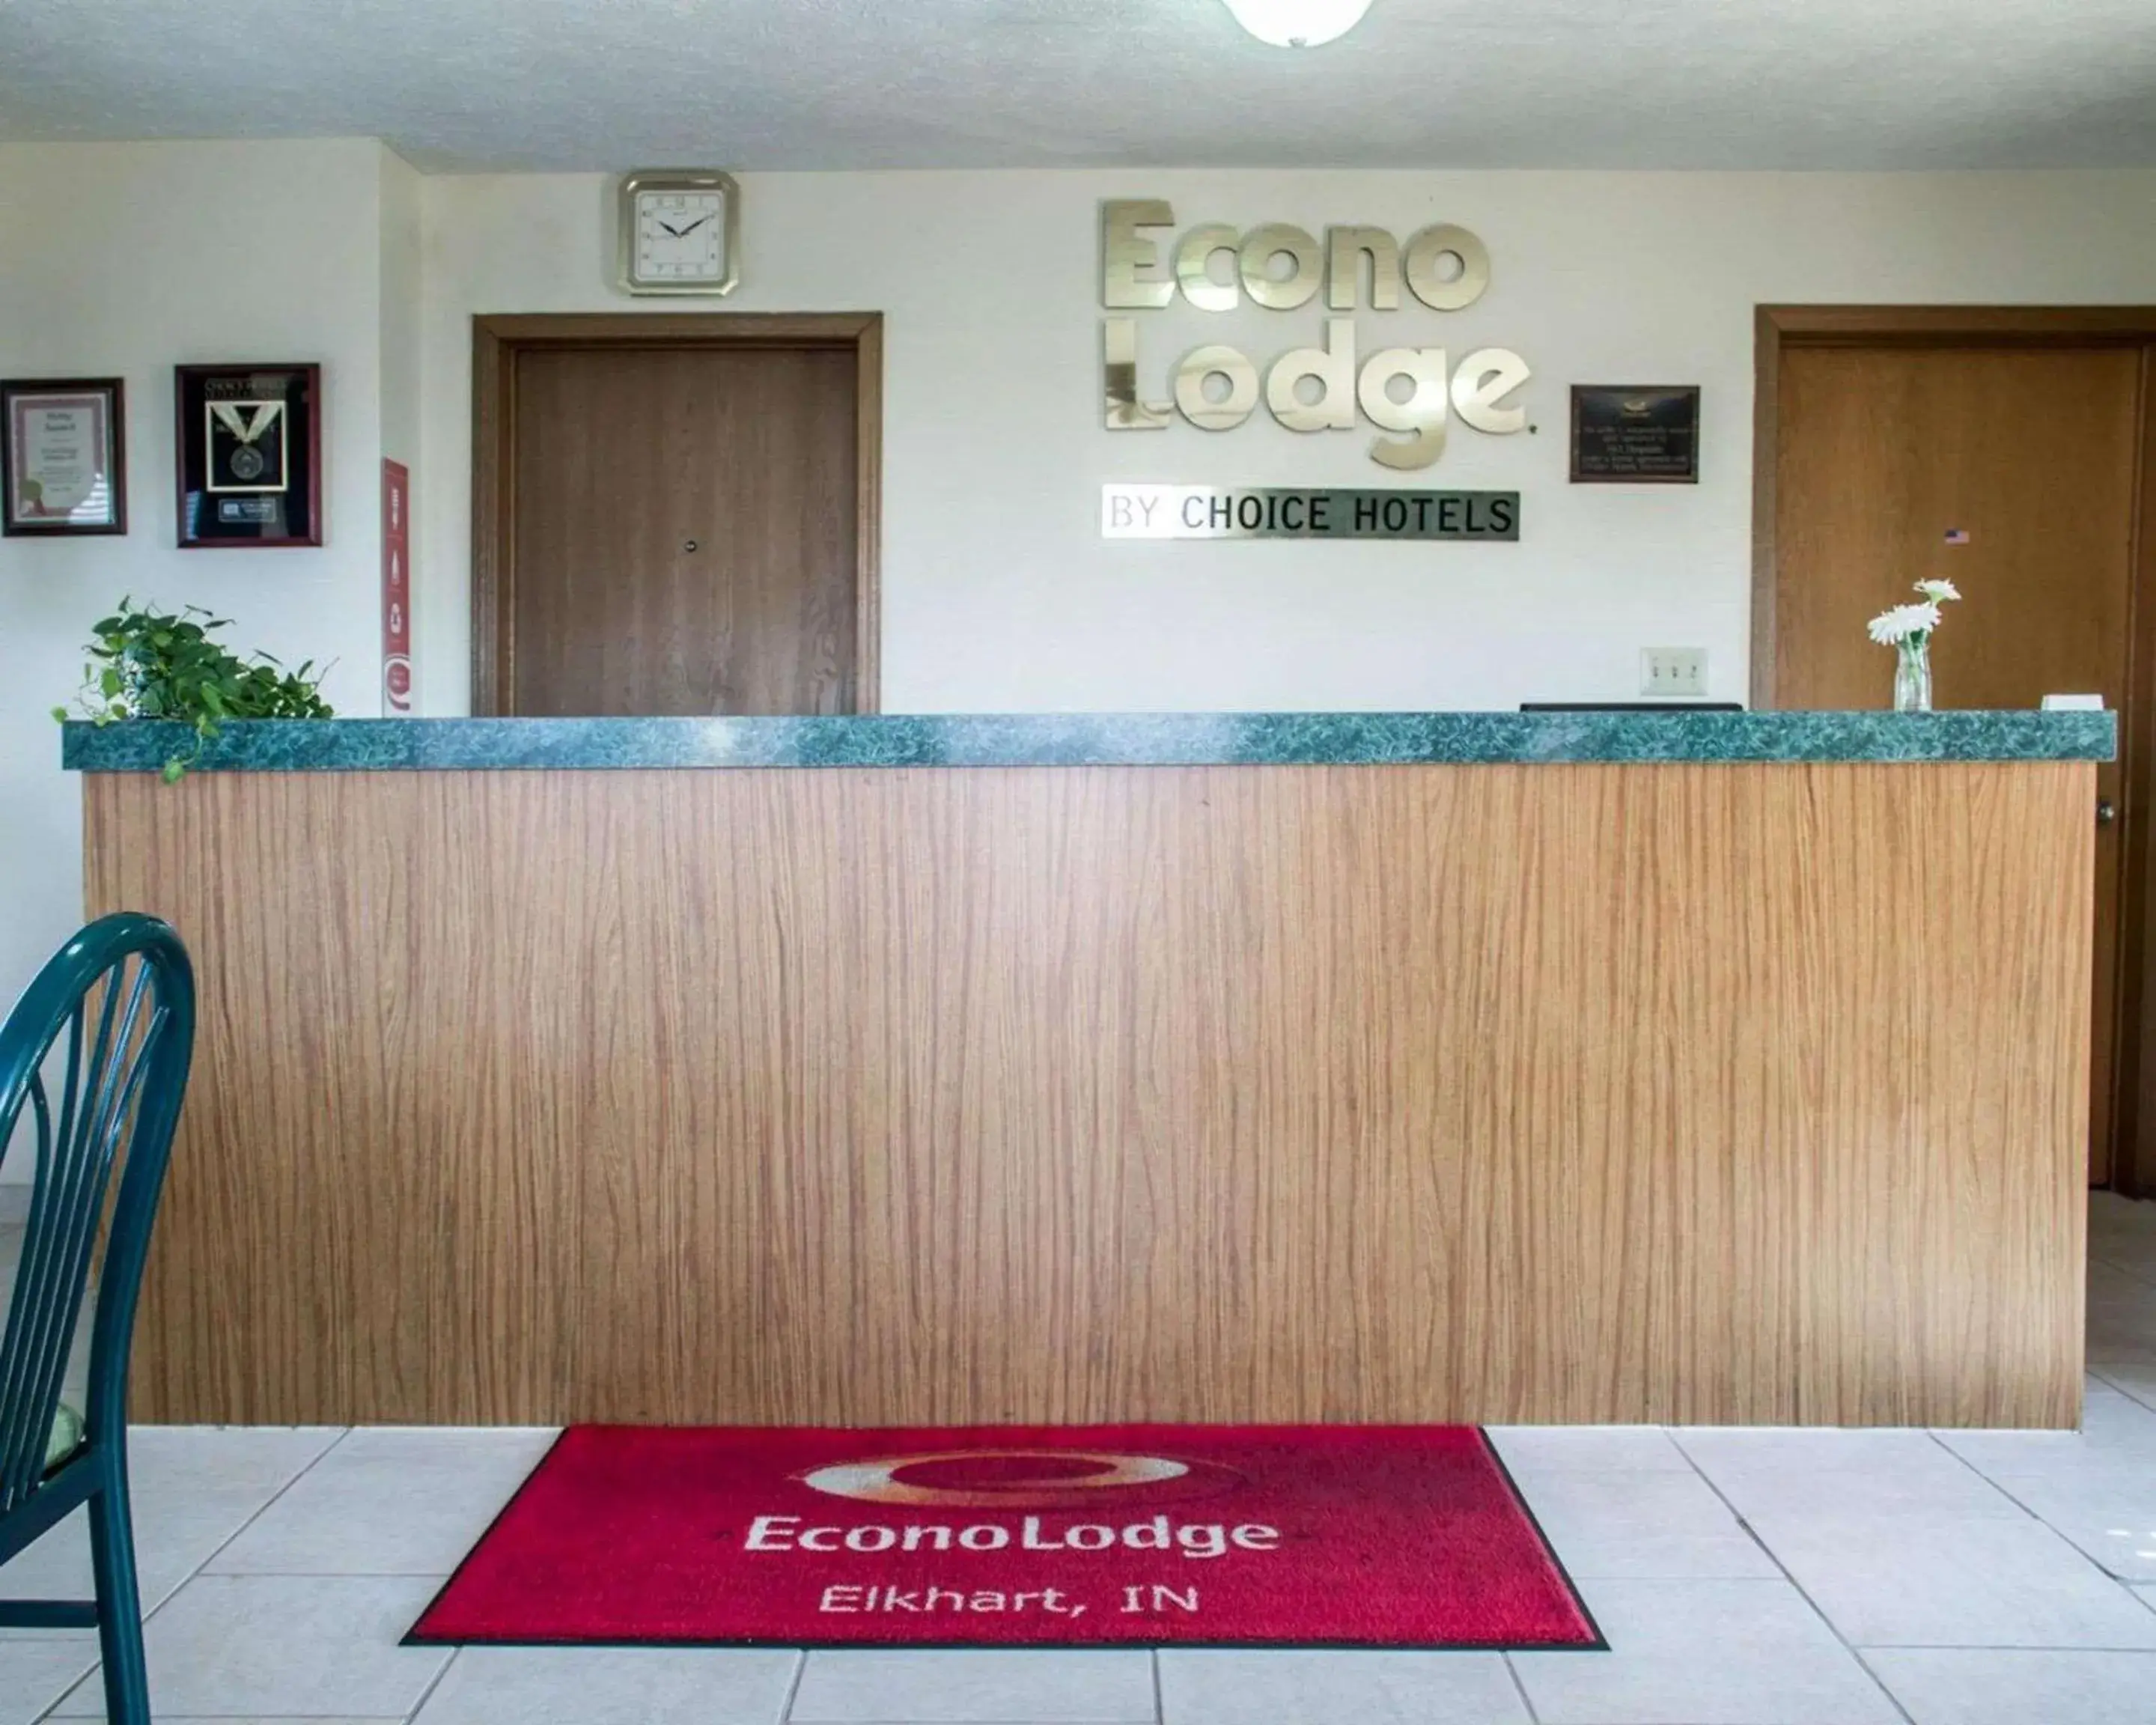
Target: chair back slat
71, 1178
126, 1072
64, 1217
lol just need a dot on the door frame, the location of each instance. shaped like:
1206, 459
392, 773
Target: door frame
497, 340
2132, 1149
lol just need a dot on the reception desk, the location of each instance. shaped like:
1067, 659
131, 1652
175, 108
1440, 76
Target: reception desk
1584, 1067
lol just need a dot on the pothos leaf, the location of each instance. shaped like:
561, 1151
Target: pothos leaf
146, 663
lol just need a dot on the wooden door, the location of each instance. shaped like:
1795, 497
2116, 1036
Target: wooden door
2011, 472
683, 531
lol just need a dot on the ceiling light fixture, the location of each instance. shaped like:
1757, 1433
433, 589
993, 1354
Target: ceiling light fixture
1298, 23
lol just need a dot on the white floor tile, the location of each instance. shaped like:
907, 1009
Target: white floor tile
1112, 1686
2130, 1377
1880, 1473
2109, 1207
2105, 1349
1980, 1582
2109, 1514
36, 1672
2116, 1430
269, 1646
1587, 1448
1642, 1525
2127, 1235
1704, 1653
1237, 1688
2119, 1269
1719, 1450
1940, 1687
389, 1502
2109, 1281
1894, 1536
2116, 1338
612, 1685
193, 1488
2121, 1323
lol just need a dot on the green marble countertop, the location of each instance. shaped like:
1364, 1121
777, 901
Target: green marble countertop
1095, 739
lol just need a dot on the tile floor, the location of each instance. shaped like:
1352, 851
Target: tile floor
1743, 1577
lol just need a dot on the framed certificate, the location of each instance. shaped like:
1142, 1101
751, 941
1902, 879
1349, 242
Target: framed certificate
249, 445
64, 449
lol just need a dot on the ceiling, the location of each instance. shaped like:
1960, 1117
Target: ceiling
761, 84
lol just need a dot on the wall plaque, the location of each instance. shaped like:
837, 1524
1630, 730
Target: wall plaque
1635, 435
249, 445
1130, 511
64, 456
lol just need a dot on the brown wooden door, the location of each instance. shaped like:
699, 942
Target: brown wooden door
683, 531
2029, 453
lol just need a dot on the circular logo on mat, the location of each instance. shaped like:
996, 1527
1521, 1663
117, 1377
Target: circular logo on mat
1019, 1479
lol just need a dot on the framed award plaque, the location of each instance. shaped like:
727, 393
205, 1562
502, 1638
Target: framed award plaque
1635, 433
64, 452
250, 447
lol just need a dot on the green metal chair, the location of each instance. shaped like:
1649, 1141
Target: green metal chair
114, 1013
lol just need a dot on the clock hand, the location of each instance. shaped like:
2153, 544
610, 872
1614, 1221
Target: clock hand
676, 232
694, 226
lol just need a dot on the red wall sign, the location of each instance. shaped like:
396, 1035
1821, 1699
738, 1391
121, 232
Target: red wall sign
396, 589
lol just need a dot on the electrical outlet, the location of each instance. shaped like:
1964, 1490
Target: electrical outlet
1666, 672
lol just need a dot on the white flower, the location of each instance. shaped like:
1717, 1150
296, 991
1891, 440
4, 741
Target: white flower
1937, 592
1890, 628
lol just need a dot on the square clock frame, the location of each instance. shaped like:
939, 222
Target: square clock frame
669, 217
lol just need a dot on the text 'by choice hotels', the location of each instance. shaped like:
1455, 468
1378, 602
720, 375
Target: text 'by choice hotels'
1151, 512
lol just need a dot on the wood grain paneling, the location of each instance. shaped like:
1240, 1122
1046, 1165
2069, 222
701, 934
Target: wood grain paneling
2063, 539
1414, 1093
2032, 453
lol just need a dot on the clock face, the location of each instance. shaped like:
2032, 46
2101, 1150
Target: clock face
680, 240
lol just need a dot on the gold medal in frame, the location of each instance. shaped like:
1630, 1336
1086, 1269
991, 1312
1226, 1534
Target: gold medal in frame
246, 444
249, 455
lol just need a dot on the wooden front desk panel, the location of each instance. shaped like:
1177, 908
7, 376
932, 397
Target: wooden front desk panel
1507, 1093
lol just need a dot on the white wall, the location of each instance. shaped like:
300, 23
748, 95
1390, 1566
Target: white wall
402, 287
1000, 592
127, 260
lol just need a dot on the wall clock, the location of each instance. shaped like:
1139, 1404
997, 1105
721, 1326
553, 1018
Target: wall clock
680, 231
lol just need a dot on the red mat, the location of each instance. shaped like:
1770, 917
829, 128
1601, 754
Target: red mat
1015, 1536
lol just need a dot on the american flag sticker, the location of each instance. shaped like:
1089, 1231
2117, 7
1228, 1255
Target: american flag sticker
1956, 536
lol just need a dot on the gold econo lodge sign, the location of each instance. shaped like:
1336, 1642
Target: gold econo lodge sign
1444, 267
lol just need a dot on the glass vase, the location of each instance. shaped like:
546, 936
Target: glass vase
1913, 676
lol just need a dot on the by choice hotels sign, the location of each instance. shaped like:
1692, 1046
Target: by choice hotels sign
1145, 267
1132, 511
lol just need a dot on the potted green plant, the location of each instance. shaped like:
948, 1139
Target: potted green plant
145, 664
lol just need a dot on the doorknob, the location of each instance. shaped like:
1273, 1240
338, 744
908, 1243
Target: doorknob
2106, 811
